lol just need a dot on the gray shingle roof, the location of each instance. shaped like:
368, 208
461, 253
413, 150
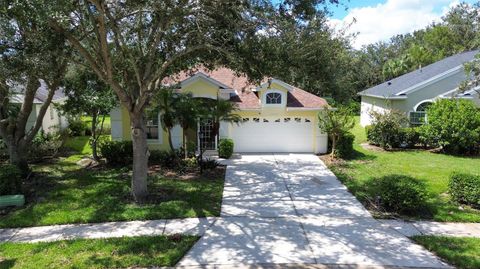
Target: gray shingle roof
401, 83
40, 95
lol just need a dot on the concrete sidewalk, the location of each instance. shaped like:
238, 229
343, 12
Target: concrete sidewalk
190, 226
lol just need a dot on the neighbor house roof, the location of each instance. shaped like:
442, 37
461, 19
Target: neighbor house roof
246, 96
40, 95
400, 86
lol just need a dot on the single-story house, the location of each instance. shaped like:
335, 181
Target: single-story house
53, 120
275, 116
414, 91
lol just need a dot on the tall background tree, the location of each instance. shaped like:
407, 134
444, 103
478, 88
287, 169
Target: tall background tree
88, 95
30, 53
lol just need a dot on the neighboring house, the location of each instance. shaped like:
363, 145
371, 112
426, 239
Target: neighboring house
53, 120
414, 91
276, 117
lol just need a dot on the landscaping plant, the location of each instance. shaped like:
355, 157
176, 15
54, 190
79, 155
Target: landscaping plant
398, 193
454, 125
465, 188
10, 179
225, 148
386, 130
336, 123
117, 152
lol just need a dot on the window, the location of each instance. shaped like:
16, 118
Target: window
256, 119
151, 123
273, 98
419, 116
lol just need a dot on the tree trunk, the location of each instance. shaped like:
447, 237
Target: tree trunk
93, 144
169, 133
185, 150
18, 157
334, 144
140, 158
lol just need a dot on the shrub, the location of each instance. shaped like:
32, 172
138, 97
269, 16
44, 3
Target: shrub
10, 180
208, 164
453, 125
345, 146
465, 188
225, 148
117, 152
411, 136
77, 126
386, 130
398, 193
47, 144
165, 159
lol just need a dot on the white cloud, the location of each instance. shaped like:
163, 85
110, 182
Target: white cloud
380, 22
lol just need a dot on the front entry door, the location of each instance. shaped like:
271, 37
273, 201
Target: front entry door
206, 135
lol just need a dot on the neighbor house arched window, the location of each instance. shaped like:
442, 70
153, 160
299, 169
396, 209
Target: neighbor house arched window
419, 116
273, 98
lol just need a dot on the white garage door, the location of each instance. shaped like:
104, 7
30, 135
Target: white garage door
273, 135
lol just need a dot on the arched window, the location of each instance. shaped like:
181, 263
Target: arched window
273, 98
419, 116
423, 106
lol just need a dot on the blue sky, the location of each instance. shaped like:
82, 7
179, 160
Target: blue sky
378, 20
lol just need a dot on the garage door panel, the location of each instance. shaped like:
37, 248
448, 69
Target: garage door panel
273, 136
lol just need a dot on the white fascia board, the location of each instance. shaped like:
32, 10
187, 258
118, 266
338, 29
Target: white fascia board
392, 97
304, 108
431, 80
274, 80
200, 75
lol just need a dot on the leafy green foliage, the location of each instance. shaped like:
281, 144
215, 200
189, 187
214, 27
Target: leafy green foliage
166, 159
335, 123
454, 125
117, 152
77, 126
10, 180
139, 251
465, 188
345, 146
47, 144
225, 148
386, 130
398, 193
411, 136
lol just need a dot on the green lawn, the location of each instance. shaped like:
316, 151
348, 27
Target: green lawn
79, 144
461, 252
67, 193
432, 168
97, 253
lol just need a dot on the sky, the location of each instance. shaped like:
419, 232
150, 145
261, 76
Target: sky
378, 20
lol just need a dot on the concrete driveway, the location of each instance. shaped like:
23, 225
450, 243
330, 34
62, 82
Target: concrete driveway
291, 209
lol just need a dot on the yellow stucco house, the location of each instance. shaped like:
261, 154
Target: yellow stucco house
276, 116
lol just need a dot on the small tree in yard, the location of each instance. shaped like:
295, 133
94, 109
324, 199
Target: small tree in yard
387, 128
87, 94
30, 52
335, 123
165, 101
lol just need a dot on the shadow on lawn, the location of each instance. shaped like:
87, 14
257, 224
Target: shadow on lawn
8, 263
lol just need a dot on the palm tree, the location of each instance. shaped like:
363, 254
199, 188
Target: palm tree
165, 103
187, 114
221, 110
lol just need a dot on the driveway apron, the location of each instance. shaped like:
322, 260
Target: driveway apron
291, 209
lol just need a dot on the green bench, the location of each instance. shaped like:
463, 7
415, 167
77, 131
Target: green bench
12, 200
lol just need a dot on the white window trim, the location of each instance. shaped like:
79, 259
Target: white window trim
282, 94
159, 140
421, 102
